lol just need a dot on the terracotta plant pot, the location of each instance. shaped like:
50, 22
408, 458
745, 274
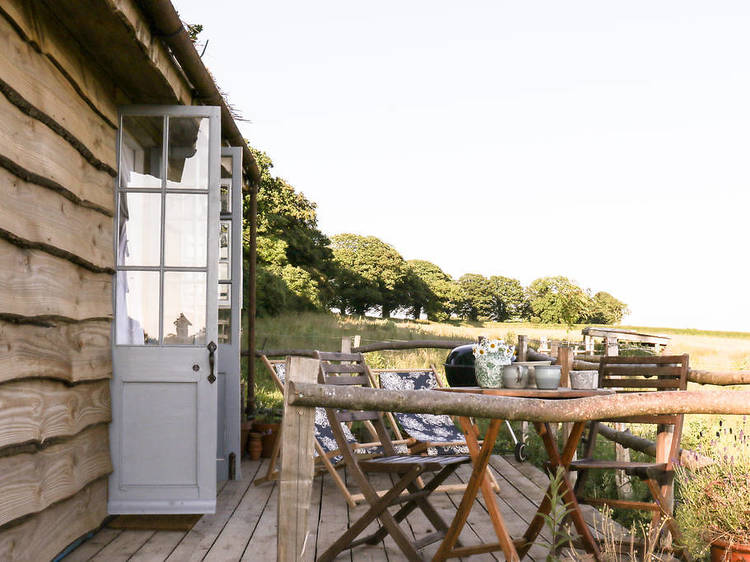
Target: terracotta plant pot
255, 447
722, 551
269, 431
245, 429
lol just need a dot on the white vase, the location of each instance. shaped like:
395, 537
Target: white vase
489, 371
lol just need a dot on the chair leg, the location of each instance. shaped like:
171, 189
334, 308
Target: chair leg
377, 509
410, 506
656, 493
272, 473
335, 475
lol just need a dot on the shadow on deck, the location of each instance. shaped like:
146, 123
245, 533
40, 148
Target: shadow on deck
244, 526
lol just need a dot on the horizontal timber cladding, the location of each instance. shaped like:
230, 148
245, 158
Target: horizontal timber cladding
37, 149
43, 535
53, 41
34, 283
42, 85
44, 219
67, 352
34, 411
31, 482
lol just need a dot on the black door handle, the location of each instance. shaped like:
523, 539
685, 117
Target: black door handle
211, 361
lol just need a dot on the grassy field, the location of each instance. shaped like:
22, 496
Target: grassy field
708, 350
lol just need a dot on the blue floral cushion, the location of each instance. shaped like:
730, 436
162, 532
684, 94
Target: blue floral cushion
324, 432
424, 427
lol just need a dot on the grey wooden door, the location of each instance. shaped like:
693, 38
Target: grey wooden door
164, 396
228, 451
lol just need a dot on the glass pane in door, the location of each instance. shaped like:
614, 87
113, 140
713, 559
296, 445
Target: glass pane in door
140, 229
137, 308
184, 308
187, 156
185, 230
141, 151
225, 325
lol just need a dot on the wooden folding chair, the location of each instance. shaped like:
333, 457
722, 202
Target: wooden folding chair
434, 434
329, 457
642, 374
350, 369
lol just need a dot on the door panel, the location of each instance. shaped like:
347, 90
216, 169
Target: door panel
164, 403
230, 305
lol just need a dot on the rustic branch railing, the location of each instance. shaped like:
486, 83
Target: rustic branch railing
687, 458
411, 344
529, 409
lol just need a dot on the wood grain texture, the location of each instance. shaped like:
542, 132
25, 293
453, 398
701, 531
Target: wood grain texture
59, 46
31, 482
46, 219
44, 535
32, 145
67, 352
297, 465
33, 411
159, 57
35, 283
42, 85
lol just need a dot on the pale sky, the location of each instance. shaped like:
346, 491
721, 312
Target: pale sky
607, 142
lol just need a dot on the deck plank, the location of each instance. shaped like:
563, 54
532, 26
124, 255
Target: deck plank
92, 546
263, 539
334, 517
199, 540
233, 538
158, 547
123, 546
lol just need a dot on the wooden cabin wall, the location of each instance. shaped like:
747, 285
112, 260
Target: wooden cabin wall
57, 169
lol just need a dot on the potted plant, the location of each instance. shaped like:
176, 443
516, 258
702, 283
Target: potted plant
490, 356
267, 423
714, 499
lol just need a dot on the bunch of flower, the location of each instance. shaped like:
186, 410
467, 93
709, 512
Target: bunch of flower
497, 350
714, 500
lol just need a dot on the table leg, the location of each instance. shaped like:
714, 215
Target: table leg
480, 459
556, 459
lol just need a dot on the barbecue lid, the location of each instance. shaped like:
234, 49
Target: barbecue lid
461, 356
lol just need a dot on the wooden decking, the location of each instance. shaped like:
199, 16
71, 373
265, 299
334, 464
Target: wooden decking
244, 526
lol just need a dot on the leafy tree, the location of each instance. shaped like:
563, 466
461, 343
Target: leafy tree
473, 296
433, 294
369, 273
508, 299
557, 300
290, 246
606, 309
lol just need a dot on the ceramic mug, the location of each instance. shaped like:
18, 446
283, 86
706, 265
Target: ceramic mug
547, 377
515, 376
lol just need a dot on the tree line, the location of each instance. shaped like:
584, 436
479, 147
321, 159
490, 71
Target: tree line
300, 268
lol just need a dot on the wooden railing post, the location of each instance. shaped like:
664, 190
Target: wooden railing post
588, 344
565, 357
523, 347
611, 347
297, 465
346, 344
523, 351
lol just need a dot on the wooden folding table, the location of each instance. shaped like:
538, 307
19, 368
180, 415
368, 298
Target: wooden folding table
516, 549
